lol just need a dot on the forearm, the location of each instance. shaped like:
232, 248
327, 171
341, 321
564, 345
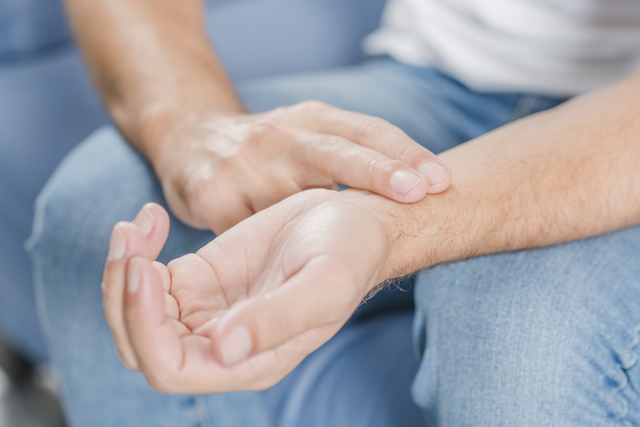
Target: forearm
561, 175
151, 60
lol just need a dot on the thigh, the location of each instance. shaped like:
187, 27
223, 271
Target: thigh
18, 320
47, 106
360, 378
541, 337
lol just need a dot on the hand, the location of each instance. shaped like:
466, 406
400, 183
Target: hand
217, 170
249, 306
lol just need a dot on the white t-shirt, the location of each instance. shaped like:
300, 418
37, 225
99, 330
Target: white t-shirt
556, 47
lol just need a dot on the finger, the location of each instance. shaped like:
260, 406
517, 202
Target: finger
201, 295
361, 167
177, 361
126, 241
154, 337
301, 304
383, 137
129, 240
153, 222
165, 276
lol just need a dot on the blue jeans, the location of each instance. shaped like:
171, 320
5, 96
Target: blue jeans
47, 105
544, 337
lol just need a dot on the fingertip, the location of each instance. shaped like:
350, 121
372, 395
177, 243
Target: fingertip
145, 220
437, 175
417, 193
407, 186
235, 346
153, 222
117, 244
157, 210
403, 182
231, 340
439, 187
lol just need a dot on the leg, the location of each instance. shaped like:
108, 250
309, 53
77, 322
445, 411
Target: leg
47, 105
341, 384
532, 338
104, 181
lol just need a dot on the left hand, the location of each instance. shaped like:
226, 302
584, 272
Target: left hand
250, 305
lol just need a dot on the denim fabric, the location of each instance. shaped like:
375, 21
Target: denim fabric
30, 25
546, 337
46, 107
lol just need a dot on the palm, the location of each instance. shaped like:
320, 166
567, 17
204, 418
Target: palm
232, 268
293, 274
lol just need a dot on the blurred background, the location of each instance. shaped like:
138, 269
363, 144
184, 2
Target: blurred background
48, 106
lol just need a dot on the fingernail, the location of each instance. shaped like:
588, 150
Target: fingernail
145, 221
118, 244
402, 181
236, 346
433, 172
133, 277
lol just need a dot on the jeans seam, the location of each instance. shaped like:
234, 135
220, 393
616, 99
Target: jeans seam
624, 367
201, 411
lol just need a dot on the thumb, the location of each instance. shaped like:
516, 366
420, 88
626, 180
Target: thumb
314, 297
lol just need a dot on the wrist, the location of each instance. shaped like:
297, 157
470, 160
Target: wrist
453, 225
149, 106
162, 132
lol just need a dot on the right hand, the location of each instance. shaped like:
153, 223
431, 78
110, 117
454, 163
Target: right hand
244, 310
217, 170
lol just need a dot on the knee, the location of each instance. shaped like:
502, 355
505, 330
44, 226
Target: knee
99, 183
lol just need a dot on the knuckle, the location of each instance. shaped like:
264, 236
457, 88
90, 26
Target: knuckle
267, 133
186, 263
195, 190
373, 126
414, 154
330, 145
378, 168
313, 106
327, 150
406, 151
175, 265
266, 128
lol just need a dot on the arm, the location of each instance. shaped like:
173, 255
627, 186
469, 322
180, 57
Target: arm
171, 98
565, 174
151, 60
289, 277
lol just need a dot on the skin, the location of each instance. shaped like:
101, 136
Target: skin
249, 306
216, 163
560, 175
